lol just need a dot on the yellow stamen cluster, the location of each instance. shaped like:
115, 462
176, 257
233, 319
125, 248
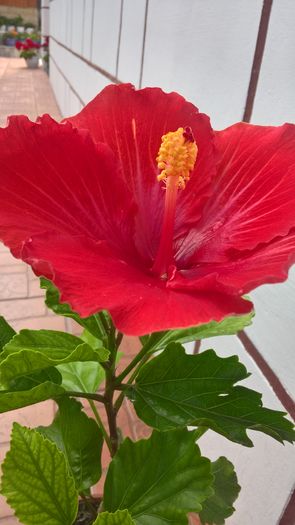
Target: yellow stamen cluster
177, 155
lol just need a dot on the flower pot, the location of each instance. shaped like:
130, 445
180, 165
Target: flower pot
10, 42
33, 62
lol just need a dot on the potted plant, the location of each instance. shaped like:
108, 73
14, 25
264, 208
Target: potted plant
30, 27
29, 50
10, 37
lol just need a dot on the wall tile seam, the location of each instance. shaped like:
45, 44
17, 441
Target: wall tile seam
100, 70
143, 42
19, 319
92, 26
16, 299
257, 59
68, 83
11, 274
119, 37
288, 515
268, 373
83, 28
5, 444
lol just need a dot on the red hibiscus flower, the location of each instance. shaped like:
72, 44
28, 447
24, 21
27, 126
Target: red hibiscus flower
32, 44
18, 45
162, 233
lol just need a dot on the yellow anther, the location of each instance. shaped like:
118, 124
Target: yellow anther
177, 155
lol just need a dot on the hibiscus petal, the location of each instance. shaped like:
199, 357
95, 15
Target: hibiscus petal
268, 263
90, 278
253, 197
53, 177
132, 123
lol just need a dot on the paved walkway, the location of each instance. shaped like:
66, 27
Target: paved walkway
24, 91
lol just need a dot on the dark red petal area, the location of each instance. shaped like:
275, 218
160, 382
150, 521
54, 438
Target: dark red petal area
253, 197
132, 124
90, 277
268, 263
55, 178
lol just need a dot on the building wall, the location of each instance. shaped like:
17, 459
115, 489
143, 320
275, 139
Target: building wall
29, 14
205, 50
19, 3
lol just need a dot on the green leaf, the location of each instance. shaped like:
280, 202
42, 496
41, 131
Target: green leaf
82, 377
92, 323
30, 381
91, 340
158, 480
80, 439
176, 390
121, 517
6, 332
12, 400
229, 326
33, 350
36, 480
218, 507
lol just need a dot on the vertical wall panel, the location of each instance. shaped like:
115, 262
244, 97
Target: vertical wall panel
53, 18
275, 97
204, 50
45, 17
106, 34
131, 41
77, 19
58, 17
88, 27
69, 18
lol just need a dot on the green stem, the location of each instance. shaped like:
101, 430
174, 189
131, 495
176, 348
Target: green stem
111, 414
119, 339
119, 402
110, 384
99, 323
86, 395
100, 424
138, 358
104, 322
129, 382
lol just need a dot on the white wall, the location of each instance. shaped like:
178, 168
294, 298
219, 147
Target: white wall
204, 49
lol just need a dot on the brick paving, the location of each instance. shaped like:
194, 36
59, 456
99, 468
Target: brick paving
24, 91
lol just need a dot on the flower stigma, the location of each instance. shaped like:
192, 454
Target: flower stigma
176, 159
177, 155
